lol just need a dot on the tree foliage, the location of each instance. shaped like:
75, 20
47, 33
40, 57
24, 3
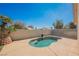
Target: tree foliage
58, 24
19, 25
72, 25
3, 24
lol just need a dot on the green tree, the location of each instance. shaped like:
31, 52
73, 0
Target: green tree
72, 25
58, 24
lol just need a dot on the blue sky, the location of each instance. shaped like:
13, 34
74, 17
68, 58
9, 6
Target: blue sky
38, 14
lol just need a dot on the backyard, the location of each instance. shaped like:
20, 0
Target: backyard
22, 48
64, 45
39, 30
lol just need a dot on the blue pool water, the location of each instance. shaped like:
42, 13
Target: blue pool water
43, 43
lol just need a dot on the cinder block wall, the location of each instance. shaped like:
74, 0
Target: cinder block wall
69, 33
23, 34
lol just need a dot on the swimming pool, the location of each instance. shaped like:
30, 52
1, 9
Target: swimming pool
43, 42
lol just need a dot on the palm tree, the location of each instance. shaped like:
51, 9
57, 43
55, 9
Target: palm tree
4, 31
58, 24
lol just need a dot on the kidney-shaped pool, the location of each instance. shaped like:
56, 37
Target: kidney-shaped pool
43, 42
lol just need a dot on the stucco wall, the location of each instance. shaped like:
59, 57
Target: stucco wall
69, 33
78, 22
23, 34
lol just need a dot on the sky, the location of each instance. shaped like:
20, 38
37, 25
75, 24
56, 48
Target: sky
38, 14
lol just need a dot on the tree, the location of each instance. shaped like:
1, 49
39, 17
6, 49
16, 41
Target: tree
58, 24
3, 24
19, 25
72, 25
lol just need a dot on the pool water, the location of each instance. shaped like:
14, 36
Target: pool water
43, 43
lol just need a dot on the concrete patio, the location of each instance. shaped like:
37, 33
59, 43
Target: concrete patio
63, 47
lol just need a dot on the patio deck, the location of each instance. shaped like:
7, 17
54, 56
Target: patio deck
64, 46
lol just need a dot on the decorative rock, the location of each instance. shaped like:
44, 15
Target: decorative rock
6, 40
